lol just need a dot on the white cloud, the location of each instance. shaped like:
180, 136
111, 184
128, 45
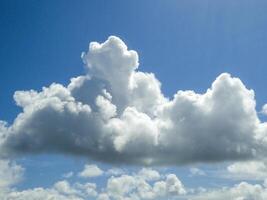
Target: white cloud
61, 190
197, 172
118, 187
115, 171
115, 113
142, 185
174, 185
37, 193
141, 190
133, 187
89, 189
264, 109
136, 186
67, 175
90, 171
248, 170
10, 173
241, 191
103, 197
64, 187
149, 174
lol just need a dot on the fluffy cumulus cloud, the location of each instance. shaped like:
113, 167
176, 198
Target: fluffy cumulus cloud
145, 184
116, 113
61, 190
90, 171
250, 170
241, 191
10, 173
149, 174
136, 187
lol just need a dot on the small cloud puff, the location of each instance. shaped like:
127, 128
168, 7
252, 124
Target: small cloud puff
90, 171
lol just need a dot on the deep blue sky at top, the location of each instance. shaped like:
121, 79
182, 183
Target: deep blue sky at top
186, 43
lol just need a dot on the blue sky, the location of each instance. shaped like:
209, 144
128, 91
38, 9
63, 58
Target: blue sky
185, 43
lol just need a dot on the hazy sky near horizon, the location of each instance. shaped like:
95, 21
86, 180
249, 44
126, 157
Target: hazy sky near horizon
133, 99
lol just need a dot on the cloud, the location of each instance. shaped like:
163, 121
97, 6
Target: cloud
264, 109
10, 173
197, 172
249, 170
137, 187
240, 191
65, 188
128, 186
90, 171
116, 113
131, 186
115, 171
149, 174
103, 197
67, 175
61, 190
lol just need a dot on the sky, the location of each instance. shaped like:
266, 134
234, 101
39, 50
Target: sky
133, 99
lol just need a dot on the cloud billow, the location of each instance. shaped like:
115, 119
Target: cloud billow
116, 113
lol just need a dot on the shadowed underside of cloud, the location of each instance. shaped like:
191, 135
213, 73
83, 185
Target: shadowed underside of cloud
116, 113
